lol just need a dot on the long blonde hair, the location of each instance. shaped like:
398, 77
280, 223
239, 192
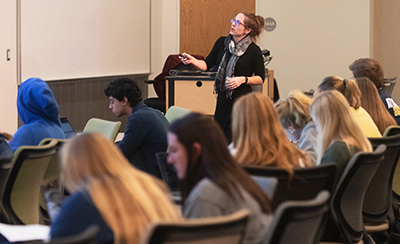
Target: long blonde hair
372, 103
295, 109
259, 137
335, 122
127, 198
348, 87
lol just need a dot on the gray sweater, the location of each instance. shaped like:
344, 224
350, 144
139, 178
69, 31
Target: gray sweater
308, 141
208, 200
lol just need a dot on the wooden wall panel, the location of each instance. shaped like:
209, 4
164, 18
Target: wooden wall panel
386, 39
203, 21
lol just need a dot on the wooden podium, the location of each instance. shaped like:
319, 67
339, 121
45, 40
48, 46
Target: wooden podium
197, 92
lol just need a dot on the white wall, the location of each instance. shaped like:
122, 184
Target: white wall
8, 69
314, 39
164, 35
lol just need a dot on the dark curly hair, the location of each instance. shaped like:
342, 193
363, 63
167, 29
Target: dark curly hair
370, 68
124, 87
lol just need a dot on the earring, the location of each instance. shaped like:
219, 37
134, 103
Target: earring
292, 131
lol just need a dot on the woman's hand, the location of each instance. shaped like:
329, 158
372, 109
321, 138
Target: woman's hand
234, 82
187, 58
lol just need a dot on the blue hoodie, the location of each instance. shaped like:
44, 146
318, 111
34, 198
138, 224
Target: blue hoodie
38, 109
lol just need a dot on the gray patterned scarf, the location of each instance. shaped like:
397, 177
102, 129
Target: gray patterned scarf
232, 52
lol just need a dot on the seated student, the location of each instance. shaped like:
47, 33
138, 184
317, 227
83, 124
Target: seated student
38, 110
212, 183
373, 104
107, 191
339, 135
372, 69
146, 129
5, 150
350, 90
294, 113
259, 138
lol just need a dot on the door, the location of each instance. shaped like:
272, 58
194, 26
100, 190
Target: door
203, 21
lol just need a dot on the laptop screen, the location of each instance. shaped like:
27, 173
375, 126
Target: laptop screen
67, 128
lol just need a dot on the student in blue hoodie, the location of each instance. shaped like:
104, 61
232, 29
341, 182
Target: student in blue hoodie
38, 110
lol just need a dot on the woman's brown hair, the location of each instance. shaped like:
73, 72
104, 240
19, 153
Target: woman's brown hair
255, 23
372, 103
215, 161
258, 135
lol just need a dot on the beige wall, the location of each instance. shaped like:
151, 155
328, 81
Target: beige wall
313, 39
386, 39
8, 69
164, 35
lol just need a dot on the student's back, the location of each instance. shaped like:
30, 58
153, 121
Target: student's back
38, 110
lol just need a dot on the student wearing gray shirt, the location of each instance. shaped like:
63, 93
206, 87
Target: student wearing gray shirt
294, 113
212, 183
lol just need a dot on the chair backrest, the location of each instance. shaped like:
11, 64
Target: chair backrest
21, 193
5, 166
168, 172
348, 197
299, 222
109, 129
53, 170
88, 236
229, 229
267, 184
174, 112
388, 85
305, 183
392, 131
378, 198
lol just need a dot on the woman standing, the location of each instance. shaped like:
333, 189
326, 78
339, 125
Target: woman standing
240, 64
212, 183
107, 191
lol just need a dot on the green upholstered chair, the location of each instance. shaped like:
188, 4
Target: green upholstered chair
22, 190
175, 112
109, 129
52, 172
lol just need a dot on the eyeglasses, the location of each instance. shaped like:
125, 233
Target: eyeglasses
237, 22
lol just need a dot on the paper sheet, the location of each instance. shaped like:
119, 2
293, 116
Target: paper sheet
15, 233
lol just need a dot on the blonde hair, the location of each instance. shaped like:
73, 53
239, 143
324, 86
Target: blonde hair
333, 117
348, 87
259, 137
127, 198
372, 103
295, 109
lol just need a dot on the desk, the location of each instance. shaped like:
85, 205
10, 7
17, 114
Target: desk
192, 92
197, 92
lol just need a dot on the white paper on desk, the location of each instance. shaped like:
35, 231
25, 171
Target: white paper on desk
15, 233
